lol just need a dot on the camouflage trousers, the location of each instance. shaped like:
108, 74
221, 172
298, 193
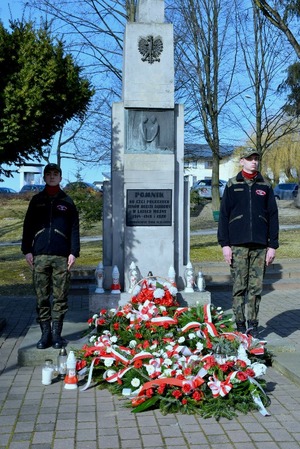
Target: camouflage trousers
247, 271
51, 276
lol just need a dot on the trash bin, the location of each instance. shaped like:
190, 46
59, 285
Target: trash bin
216, 215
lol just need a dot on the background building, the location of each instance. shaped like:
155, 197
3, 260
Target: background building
198, 162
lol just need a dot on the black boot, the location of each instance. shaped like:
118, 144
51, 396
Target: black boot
252, 328
46, 338
57, 341
241, 326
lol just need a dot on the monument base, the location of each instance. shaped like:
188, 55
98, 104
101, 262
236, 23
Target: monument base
75, 325
112, 301
106, 300
193, 299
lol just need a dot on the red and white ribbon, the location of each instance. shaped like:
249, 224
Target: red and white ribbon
142, 355
161, 320
191, 325
119, 357
219, 388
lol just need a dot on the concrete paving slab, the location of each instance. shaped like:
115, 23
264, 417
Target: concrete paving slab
33, 415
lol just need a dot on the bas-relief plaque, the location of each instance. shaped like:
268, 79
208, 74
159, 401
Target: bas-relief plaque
150, 131
149, 207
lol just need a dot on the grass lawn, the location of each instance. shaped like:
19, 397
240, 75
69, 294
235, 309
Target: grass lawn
15, 275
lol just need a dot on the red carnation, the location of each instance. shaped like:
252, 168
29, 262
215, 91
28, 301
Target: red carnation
161, 388
250, 372
138, 364
186, 388
177, 394
149, 393
242, 376
197, 396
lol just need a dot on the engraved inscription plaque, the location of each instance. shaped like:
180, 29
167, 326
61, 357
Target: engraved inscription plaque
149, 207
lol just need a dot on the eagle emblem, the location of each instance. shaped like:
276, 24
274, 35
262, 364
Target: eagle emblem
150, 48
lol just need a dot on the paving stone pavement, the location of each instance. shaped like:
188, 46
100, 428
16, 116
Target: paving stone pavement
49, 417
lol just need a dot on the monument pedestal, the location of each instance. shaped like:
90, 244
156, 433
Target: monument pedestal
146, 202
194, 299
108, 300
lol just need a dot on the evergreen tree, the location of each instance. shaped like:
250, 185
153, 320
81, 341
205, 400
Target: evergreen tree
41, 89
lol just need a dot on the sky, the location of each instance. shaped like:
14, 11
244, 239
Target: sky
69, 167
14, 9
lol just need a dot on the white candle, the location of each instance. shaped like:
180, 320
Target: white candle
47, 375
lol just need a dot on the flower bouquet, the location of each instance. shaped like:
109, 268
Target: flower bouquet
178, 359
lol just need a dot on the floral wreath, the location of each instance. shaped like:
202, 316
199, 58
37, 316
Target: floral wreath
178, 359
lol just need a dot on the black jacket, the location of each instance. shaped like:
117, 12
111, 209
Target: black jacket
248, 214
51, 226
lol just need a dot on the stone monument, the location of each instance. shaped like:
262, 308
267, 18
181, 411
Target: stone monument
146, 203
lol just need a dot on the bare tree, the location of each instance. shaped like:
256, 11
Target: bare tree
279, 14
260, 111
208, 67
206, 50
93, 32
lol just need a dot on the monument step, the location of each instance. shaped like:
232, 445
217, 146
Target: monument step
284, 274
74, 327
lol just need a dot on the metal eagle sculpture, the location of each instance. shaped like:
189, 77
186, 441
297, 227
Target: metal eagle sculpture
150, 48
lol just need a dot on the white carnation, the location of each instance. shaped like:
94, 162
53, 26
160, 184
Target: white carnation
150, 369
135, 382
159, 293
168, 362
199, 346
259, 368
173, 290
108, 362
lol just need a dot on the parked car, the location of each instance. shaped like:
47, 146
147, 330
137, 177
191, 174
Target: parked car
286, 191
7, 191
203, 187
32, 188
81, 185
